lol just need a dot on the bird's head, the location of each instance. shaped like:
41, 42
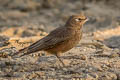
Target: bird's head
77, 20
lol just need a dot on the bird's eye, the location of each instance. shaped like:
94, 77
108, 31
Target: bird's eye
77, 19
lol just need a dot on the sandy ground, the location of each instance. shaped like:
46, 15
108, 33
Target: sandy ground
23, 22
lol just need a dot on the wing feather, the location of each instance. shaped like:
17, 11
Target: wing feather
55, 37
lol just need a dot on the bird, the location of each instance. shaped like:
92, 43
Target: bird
60, 40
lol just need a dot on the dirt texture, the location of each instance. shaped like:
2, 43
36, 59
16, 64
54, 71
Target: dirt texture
97, 57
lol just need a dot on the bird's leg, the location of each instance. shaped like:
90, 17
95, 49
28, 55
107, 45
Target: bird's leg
60, 60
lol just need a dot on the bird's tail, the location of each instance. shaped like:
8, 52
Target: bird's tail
28, 50
21, 52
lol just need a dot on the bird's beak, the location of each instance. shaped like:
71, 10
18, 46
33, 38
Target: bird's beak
87, 19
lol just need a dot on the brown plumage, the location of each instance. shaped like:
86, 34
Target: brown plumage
59, 40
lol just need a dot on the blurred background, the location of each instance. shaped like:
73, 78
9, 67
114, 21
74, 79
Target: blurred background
103, 14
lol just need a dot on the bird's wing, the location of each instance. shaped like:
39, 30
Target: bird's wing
55, 37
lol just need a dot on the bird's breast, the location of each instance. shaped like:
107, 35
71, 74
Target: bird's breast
67, 44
